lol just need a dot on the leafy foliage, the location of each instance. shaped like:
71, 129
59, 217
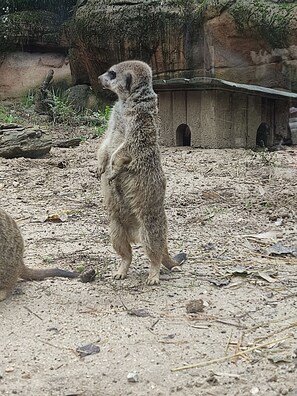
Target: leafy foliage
7, 116
24, 20
269, 20
63, 8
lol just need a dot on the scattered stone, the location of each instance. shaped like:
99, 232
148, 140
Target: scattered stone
26, 375
239, 271
280, 359
180, 258
133, 376
212, 380
280, 250
208, 246
273, 378
169, 337
86, 350
138, 312
88, 275
62, 164
195, 306
219, 282
54, 329
254, 390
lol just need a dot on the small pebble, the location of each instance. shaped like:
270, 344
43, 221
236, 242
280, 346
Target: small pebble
133, 376
195, 306
88, 275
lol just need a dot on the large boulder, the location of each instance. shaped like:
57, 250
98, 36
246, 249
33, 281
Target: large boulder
238, 40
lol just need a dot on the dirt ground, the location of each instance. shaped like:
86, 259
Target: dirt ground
242, 340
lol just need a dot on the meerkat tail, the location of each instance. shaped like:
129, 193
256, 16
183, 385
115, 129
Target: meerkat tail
169, 262
40, 274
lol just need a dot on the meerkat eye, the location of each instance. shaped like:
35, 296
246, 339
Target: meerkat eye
112, 74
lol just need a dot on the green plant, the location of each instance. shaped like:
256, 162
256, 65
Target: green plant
99, 130
28, 100
62, 110
270, 21
6, 116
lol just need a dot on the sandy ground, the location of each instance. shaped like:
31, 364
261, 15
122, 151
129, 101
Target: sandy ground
243, 340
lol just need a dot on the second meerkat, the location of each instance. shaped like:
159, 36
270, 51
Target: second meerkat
133, 181
12, 264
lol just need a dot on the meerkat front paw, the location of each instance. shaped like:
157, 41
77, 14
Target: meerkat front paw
102, 158
111, 178
119, 162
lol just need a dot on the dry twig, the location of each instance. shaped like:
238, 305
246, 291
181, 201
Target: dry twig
224, 358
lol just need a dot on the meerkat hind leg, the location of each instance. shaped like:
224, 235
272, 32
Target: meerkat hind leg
122, 246
153, 245
154, 272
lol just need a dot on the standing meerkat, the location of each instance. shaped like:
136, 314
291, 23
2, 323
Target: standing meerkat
12, 264
133, 181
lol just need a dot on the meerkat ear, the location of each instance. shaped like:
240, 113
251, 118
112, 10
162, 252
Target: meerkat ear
128, 81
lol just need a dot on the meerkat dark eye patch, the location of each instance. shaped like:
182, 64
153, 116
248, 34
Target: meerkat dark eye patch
128, 81
112, 74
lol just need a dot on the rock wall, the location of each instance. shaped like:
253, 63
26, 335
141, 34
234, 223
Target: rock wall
247, 42
251, 41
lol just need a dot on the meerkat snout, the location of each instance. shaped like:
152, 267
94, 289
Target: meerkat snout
106, 78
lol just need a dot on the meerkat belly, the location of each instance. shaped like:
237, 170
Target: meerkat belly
136, 196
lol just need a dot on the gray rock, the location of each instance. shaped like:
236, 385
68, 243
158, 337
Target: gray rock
133, 376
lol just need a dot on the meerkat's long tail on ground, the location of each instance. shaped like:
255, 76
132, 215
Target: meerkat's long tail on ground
40, 274
170, 262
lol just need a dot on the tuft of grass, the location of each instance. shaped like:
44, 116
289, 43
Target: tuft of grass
99, 130
28, 100
62, 110
6, 116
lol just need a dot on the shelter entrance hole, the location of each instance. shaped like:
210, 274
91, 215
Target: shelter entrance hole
183, 135
263, 135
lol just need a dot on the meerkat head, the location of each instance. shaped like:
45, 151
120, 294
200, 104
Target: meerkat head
127, 77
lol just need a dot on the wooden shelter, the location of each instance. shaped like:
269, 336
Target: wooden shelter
212, 113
